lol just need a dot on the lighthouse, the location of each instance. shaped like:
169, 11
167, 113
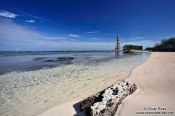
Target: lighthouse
117, 46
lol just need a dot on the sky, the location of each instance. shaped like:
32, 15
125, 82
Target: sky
47, 25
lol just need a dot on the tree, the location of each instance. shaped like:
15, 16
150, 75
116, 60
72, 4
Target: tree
132, 47
164, 45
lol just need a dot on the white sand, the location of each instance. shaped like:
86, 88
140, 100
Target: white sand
155, 80
65, 109
156, 87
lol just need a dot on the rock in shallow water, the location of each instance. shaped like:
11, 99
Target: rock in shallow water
65, 58
107, 101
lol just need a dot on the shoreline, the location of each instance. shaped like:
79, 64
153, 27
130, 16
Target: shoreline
70, 111
155, 93
38, 91
127, 107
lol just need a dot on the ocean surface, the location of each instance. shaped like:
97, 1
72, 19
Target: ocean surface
28, 60
32, 82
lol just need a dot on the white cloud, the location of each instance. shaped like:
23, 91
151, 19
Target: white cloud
8, 14
30, 21
15, 36
73, 35
92, 32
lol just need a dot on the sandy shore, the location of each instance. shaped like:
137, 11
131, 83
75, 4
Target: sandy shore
30, 93
156, 90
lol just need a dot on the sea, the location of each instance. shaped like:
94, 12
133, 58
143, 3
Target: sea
32, 82
34, 60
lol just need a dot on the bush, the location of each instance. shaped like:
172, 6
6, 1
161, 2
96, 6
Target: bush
132, 47
164, 45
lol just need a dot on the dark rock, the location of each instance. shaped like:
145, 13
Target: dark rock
85, 104
65, 58
50, 60
106, 102
132, 88
109, 103
115, 91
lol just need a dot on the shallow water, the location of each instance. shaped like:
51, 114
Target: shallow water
31, 92
26, 61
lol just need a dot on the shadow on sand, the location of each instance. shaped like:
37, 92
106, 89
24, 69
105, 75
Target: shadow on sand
78, 110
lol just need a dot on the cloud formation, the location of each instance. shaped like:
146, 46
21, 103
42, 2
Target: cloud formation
12, 15
73, 35
8, 14
17, 37
30, 21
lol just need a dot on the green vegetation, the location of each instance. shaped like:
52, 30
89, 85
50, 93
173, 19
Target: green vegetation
164, 45
132, 47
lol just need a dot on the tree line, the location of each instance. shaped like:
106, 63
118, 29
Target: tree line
132, 47
164, 45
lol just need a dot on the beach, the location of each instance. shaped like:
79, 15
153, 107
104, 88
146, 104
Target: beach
155, 90
87, 58
37, 91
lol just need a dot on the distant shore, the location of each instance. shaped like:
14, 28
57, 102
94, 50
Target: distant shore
155, 81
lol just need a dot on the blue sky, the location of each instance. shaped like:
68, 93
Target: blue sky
83, 24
